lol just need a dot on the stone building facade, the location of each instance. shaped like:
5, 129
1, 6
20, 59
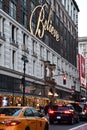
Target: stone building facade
41, 31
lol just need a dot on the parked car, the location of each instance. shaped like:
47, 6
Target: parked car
81, 107
22, 118
77, 106
63, 113
83, 114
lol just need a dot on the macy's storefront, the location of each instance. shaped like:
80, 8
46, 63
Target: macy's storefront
35, 95
11, 88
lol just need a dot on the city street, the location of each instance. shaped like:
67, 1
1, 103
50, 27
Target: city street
43, 64
64, 126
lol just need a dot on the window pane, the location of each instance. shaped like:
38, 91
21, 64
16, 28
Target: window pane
12, 10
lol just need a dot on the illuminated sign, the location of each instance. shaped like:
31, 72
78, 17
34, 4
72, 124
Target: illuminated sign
82, 71
43, 24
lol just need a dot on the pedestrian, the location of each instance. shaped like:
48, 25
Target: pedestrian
4, 101
47, 107
41, 109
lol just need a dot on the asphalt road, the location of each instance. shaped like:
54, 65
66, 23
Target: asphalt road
64, 126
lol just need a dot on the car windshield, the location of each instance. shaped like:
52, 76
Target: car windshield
54, 107
83, 106
77, 107
60, 108
63, 108
10, 111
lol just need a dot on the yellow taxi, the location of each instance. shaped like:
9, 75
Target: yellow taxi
22, 118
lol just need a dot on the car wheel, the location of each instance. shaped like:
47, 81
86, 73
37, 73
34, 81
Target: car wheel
27, 128
78, 119
51, 121
46, 127
72, 121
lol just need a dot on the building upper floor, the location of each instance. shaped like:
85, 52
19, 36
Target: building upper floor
82, 48
82, 42
15, 41
61, 7
62, 37
72, 8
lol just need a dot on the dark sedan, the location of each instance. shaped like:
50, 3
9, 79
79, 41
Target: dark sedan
83, 113
63, 113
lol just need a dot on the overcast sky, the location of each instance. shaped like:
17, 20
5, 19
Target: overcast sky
82, 18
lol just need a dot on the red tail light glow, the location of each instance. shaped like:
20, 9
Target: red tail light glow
51, 112
85, 110
2, 114
60, 105
67, 112
12, 122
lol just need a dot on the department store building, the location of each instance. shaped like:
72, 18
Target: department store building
43, 34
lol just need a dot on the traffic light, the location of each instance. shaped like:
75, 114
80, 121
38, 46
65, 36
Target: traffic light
64, 79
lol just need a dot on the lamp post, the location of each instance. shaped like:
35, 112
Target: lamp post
25, 60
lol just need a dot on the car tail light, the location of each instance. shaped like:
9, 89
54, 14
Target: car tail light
85, 110
67, 112
51, 112
60, 105
12, 122
2, 114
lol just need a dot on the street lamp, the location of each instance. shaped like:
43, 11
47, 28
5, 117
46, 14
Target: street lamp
25, 60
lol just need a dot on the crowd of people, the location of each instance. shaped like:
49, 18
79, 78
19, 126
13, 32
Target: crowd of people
42, 109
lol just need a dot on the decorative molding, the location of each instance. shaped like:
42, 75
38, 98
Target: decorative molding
2, 36
25, 48
34, 54
14, 43
41, 58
